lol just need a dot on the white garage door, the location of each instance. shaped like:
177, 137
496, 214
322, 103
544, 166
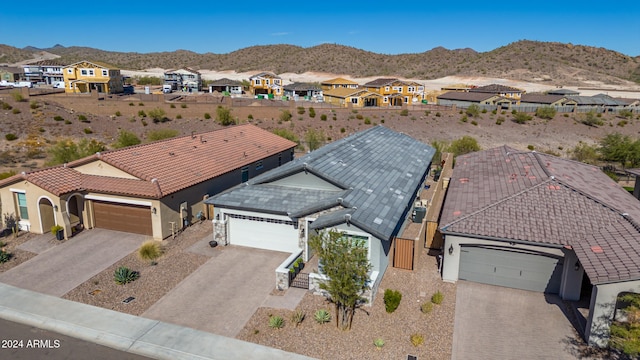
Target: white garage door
262, 233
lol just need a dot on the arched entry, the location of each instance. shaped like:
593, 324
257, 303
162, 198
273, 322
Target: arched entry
47, 216
75, 206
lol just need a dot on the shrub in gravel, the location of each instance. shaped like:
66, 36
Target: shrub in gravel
297, 317
16, 111
6, 106
10, 137
437, 298
426, 307
58, 118
322, 316
124, 275
392, 300
276, 322
417, 339
5, 256
379, 343
150, 250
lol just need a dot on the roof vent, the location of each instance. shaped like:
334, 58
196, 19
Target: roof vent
171, 153
340, 200
202, 140
64, 165
193, 134
347, 218
154, 180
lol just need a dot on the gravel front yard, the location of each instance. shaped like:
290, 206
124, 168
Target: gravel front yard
370, 323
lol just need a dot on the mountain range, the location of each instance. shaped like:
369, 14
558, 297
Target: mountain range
524, 60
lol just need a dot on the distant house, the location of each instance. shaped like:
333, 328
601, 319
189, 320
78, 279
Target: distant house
396, 92
266, 83
225, 85
86, 77
346, 97
363, 186
152, 189
46, 71
501, 90
10, 74
303, 90
185, 79
466, 99
563, 92
545, 100
338, 83
597, 103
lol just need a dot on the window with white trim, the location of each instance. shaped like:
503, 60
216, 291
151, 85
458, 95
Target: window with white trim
386, 88
91, 73
22, 206
105, 72
69, 71
406, 99
276, 81
354, 100
259, 165
385, 99
410, 89
266, 82
256, 82
399, 89
83, 72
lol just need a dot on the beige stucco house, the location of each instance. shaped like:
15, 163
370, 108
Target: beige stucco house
152, 189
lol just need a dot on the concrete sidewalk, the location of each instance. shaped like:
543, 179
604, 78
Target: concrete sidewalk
126, 332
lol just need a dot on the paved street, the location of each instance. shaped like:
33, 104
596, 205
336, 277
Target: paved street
494, 323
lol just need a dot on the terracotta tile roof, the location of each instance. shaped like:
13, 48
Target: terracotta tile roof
166, 166
506, 194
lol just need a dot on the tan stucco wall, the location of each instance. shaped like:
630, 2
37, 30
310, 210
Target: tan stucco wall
101, 168
33, 194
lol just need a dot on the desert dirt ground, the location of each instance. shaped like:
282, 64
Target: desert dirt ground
34, 123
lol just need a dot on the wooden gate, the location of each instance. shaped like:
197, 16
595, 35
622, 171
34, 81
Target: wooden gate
403, 254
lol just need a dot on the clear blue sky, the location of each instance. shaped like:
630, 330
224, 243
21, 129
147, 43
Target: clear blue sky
381, 27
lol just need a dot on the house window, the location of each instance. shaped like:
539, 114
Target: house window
22, 206
279, 159
406, 99
399, 89
83, 72
266, 82
245, 174
386, 88
259, 165
410, 89
276, 81
91, 73
105, 72
256, 82
293, 156
354, 100
69, 71
385, 99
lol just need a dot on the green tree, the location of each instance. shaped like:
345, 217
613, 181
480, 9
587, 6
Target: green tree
285, 115
616, 147
126, 138
440, 146
345, 263
287, 134
585, 153
149, 80
157, 114
591, 119
473, 110
546, 112
625, 335
161, 134
66, 150
464, 145
521, 118
223, 115
314, 138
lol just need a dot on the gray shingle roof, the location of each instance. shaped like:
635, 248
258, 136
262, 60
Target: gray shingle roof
302, 87
540, 98
465, 96
506, 194
380, 169
495, 89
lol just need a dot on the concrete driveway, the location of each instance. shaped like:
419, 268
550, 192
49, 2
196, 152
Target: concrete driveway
494, 322
61, 268
223, 293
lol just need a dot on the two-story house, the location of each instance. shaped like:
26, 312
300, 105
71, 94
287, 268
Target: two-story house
185, 79
86, 77
266, 83
45, 72
395, 92
338, 83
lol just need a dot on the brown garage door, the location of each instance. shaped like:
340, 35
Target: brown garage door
123, 217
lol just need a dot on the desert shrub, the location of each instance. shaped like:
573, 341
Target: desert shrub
124, 275
82, 118
178, 116
16, 111
6, 106
42, 129
287, 134
334, 118
207, 116
474, 123
5, 256
150, 250
300, 110
276, 322
126, 138
427, 112
417, 339
298, 317
438, 114
6, 174
437, 298
141, 113
426, 307
464, 145
88, 131
464, 119
132, 104
65, 151
157, 114
184, 106
342, 130
173, 106
312, 112
10, 137
314, 138
118, 113
521, 118
359, 117
392, 300
58, 118
484, 111
546, 112
473, 110
250, 117
34, 105
67, 122
223, 115
494, 111
161, 134
149, 80
285, 115
141, 104
500, 120
591, 119
531, 147
144, 123
322, 316
404, 112
17, 96
625, 113
323, 117
367, 121
378, 343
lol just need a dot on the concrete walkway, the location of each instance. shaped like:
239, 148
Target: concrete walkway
126, 332
494, 322
60, 269
223, 293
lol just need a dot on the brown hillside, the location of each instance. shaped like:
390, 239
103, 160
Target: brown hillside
555, 63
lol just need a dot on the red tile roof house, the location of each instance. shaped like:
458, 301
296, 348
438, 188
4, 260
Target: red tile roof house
537, 222
152, 189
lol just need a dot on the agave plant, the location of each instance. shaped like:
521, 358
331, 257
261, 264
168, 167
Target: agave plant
297, 317
125, 275
322, 316
276, 322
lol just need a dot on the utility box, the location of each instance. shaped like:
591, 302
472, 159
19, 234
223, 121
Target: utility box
418, 214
